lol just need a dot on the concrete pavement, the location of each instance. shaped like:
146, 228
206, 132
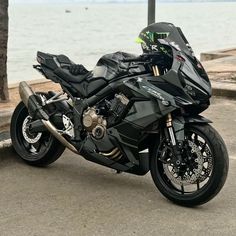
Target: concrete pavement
223, 114
75, 197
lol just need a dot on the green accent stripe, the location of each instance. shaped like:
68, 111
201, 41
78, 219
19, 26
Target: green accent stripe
139, 40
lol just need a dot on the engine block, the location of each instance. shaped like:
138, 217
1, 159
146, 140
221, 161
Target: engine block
94, 123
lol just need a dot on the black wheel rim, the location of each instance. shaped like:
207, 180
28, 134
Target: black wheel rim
188, 182
35, 150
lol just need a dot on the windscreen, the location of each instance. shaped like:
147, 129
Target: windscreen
168, 34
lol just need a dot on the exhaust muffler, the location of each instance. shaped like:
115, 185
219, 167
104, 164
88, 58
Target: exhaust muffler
25, 92
53, 130
32, 102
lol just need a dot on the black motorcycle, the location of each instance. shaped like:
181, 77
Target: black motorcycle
132, 114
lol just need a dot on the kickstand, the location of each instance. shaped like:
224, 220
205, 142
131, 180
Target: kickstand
116, 171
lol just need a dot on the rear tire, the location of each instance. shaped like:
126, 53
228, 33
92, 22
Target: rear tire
40, 149
216, 176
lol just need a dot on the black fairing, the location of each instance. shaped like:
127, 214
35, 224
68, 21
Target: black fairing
161, 34
186, 79
182, 88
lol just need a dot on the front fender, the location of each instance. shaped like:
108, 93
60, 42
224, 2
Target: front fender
196, 119
180, 122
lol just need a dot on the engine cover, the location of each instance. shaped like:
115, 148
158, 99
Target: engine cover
94, 123
117, 107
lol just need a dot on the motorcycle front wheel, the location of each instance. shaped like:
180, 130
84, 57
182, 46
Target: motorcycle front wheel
203, 171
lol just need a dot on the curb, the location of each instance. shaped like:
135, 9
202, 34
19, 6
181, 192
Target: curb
227, 93
30, 82
5, 118
227, 90
5, 144
212, 55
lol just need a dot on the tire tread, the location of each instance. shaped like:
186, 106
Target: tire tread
220, 170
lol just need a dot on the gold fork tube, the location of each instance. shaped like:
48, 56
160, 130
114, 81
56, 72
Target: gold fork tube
155, 71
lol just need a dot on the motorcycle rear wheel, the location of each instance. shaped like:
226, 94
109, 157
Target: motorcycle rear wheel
39, 149
204, 182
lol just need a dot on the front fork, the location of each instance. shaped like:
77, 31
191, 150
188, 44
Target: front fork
174, 133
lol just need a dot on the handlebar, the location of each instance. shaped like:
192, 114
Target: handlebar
142, 58
135, 59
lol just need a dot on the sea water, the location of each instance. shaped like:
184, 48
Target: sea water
85, 32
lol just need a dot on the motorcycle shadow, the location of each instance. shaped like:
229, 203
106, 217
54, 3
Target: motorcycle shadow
74, 169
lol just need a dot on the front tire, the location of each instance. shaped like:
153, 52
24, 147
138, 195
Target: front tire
39, 149
203, 183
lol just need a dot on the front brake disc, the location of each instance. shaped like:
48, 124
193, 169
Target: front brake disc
189, 175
